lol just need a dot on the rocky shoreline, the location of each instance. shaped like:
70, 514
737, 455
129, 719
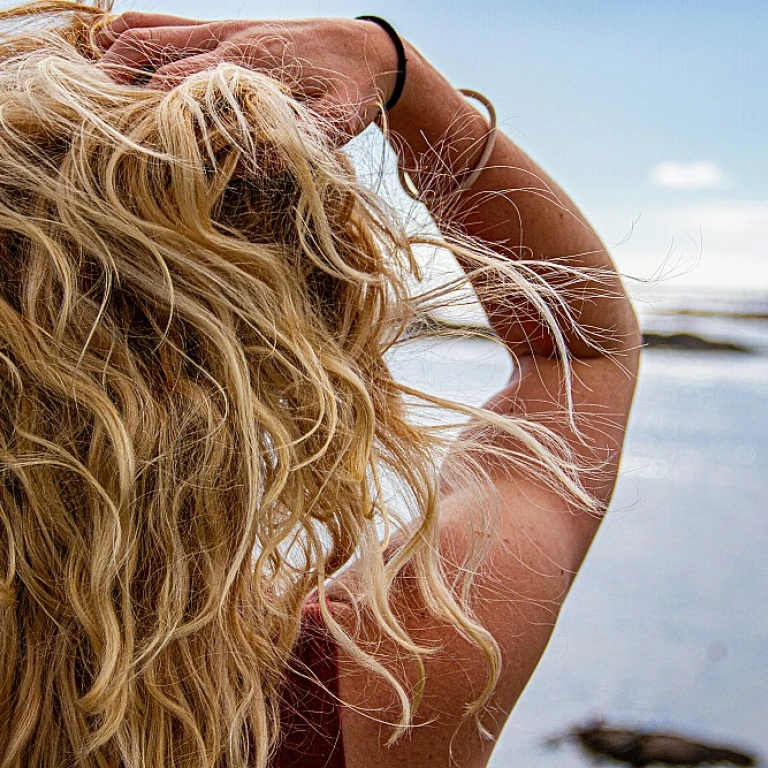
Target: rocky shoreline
681, 341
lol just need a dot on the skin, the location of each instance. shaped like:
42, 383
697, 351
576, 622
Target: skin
344, 69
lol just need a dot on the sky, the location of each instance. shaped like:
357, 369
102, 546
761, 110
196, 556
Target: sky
652, 114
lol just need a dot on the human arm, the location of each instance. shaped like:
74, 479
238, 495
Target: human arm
519, 211
542, 539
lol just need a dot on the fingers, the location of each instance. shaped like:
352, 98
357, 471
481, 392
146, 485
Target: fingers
137, 51
171, 75
136, 20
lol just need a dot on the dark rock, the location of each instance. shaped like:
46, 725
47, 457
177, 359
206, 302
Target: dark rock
640, 749
689, 342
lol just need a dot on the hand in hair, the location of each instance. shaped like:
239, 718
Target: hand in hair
343, 69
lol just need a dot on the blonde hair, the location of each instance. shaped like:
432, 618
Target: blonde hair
196, 296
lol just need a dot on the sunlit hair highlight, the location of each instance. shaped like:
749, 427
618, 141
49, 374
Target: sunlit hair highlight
196, 298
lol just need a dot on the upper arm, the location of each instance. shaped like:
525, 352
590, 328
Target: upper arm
539, 541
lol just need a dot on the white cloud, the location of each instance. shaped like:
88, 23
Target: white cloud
703, 174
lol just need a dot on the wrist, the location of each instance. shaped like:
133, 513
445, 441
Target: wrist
412, 89
385, 61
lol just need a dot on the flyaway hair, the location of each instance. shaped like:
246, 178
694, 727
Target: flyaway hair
196, 300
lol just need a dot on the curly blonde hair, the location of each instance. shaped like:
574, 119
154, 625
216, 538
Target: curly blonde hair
196, 297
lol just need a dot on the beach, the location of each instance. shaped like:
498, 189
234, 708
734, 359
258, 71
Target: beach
665, 627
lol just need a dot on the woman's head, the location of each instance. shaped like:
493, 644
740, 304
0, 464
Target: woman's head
196, 297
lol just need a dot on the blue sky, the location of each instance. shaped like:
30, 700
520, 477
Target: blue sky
653, 114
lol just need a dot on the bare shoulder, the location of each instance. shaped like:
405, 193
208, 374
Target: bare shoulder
519, 590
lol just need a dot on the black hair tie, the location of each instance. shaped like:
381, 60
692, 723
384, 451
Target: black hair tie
401, 60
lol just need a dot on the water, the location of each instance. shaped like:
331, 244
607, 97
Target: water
740, 318
665, 626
